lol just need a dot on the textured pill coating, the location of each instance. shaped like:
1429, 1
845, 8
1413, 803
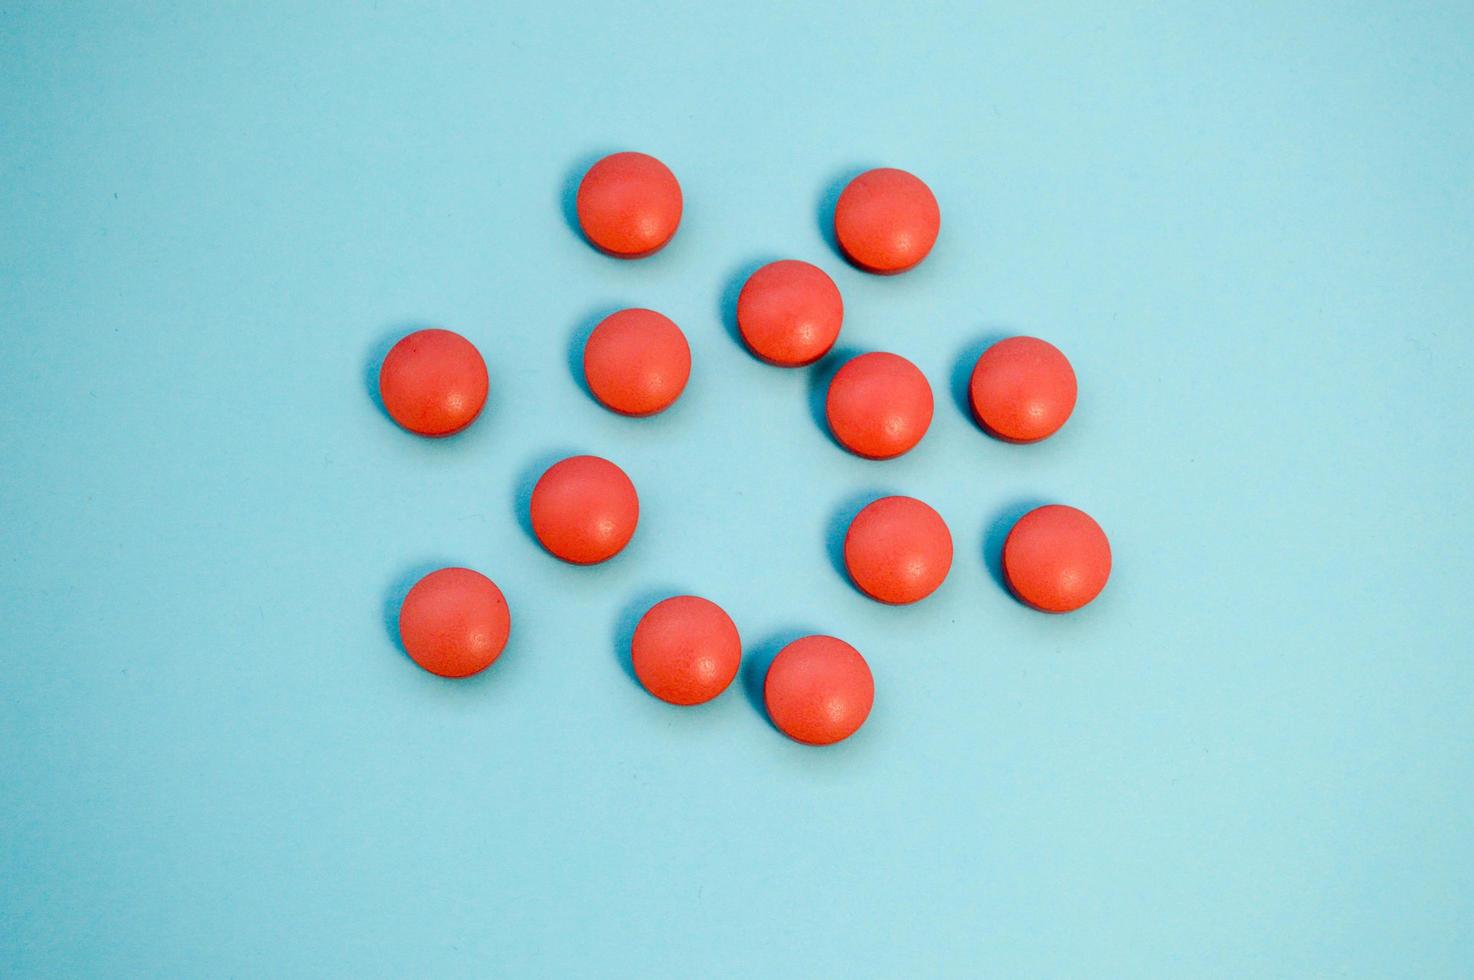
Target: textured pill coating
789, 313
584, 509
886, 220
879, 405
1056, 558
898, 550
433, 382
1022, 389
637, 362
454, 622
686, 650
818, 690
629, 205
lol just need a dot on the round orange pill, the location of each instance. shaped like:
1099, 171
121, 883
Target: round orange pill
819, 690
898, 550
454, 622
789, 313
637, 362
1022, 389
686, 650
886, 220
1056, 558
584, 509
879, 405
629, 205
433, 382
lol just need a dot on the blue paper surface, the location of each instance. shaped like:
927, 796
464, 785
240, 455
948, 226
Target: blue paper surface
1247, 226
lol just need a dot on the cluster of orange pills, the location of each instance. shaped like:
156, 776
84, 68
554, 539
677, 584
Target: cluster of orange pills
685, 649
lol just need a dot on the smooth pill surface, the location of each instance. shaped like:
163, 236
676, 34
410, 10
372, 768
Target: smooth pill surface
454, 622
898, 550
1056, 558
629, 205
818, 690
433, 382
789, 313
686, 650
584, 509
879, 405
637, 362
886, 220
1022, 389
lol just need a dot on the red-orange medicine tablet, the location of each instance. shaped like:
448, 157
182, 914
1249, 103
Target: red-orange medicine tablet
1056, 558
686, 650
629, 205
819, 690
454, 622
879, 405
433, 382
789, 313
1022, 389
886, 220
584, 509
898, 550
636, 362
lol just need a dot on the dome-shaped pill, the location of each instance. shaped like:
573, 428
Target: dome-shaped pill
454, 622
1056, 558
789, 313
818, 690
1022, 389
886, 220
898, 550
584, 509
686, 650
879, 405
433, 382
637, 362
629, 205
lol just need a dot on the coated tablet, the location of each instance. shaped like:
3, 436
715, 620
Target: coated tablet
637, 362
584, 509
818, 690
886, 220
454, 622
629, 205
789, 313
685, 650
898, 550
1022, 389
879, 405
433, 382
1056, 558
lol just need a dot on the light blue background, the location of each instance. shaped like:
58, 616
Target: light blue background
1249, 229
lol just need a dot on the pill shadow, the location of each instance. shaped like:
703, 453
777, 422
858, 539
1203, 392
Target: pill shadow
997, 532
828, 198
967, 358
839, 525
756, 659
399, 588
820, 374
374, 361
522, 487
568, 191
579, 338
727, 304
629, 618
